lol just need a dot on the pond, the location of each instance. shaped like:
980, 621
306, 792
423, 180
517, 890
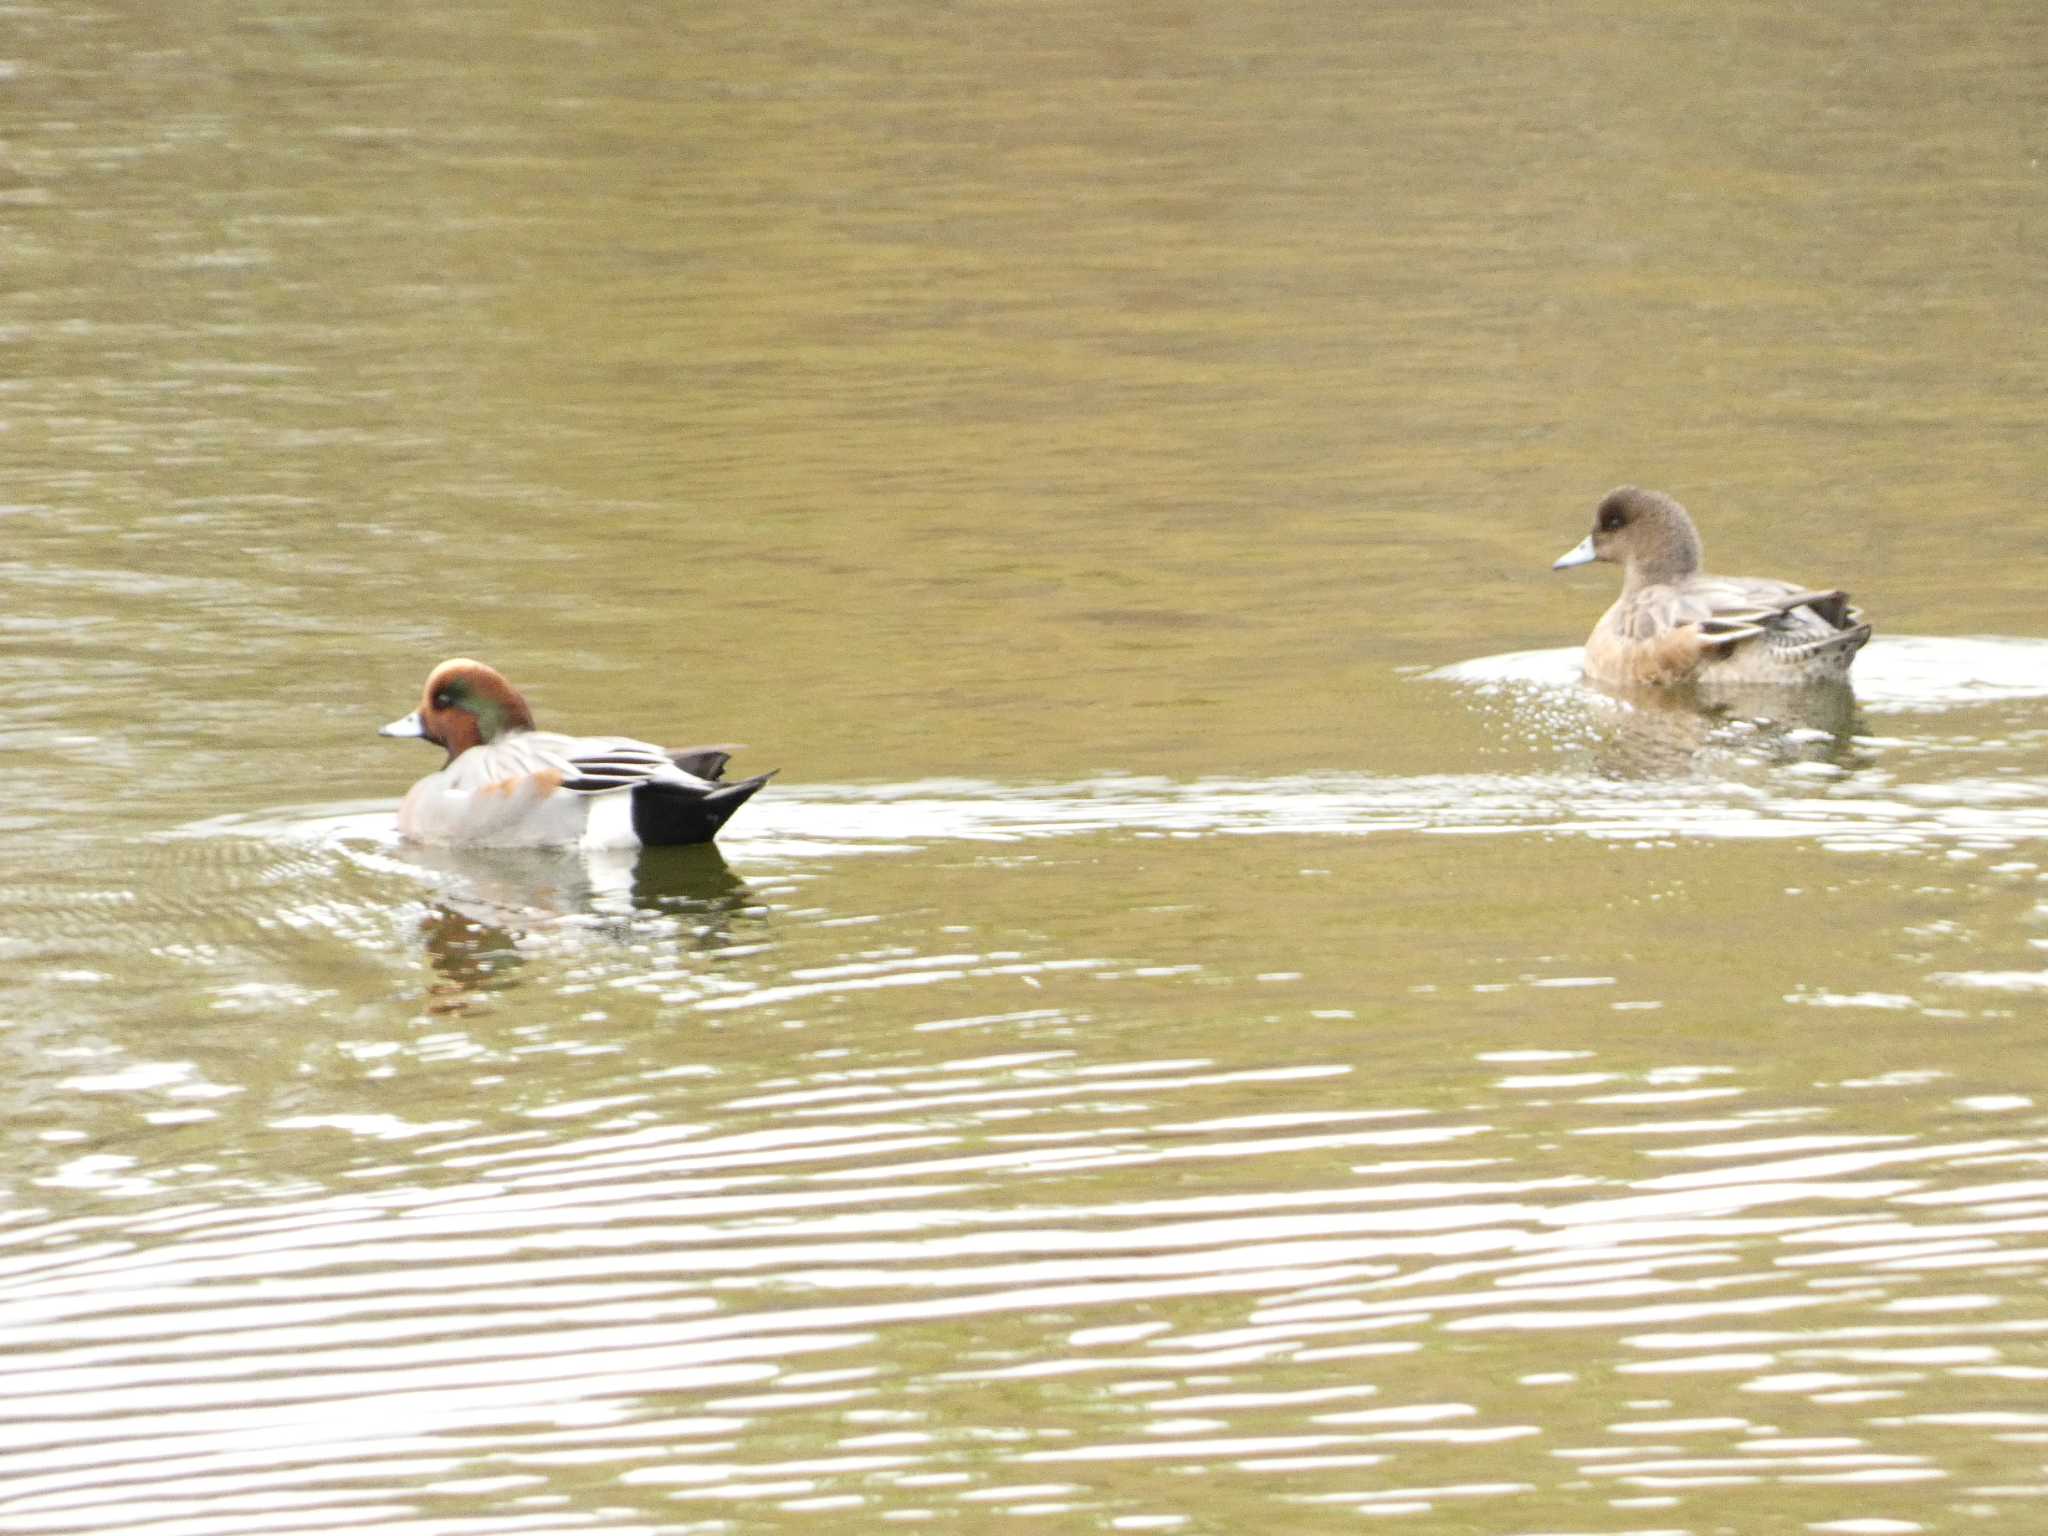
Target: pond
1214, 1027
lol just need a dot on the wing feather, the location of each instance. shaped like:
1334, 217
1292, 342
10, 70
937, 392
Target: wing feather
586, 765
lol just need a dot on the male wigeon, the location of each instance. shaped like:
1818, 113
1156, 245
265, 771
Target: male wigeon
1673, 623
507, 785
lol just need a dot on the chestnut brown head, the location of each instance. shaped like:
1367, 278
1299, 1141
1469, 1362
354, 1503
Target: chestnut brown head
464, 705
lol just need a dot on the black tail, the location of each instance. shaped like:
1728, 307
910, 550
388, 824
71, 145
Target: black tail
666, 814
705, 762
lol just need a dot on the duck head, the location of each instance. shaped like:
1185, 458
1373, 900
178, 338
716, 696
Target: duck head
1645, 532
464, 705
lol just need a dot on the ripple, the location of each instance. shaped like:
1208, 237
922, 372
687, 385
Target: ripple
1894, 673
1866, 814
697, 1309
1783, 764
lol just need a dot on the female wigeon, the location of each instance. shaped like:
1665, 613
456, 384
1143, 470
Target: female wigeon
507, 785
1673, 623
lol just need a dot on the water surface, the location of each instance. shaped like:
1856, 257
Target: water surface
1214, 1028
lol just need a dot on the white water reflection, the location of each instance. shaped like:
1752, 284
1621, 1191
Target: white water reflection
741, 1297
1893, 673
1850, 813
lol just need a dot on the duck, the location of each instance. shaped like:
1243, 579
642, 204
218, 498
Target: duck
507, 784
1674, 624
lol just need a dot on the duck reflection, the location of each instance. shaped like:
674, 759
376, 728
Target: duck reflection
498, 903
471, 959
695, 877
1660, 732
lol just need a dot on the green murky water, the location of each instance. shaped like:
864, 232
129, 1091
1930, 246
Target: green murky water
1212, 1030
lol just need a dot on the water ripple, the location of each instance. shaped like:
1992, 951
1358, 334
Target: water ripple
1893, 673
657, 1305
828, 821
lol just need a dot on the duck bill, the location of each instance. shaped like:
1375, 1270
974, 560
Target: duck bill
410, 726
1581, 553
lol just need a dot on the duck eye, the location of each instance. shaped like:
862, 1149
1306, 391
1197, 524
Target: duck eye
1611, 520
444, 700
